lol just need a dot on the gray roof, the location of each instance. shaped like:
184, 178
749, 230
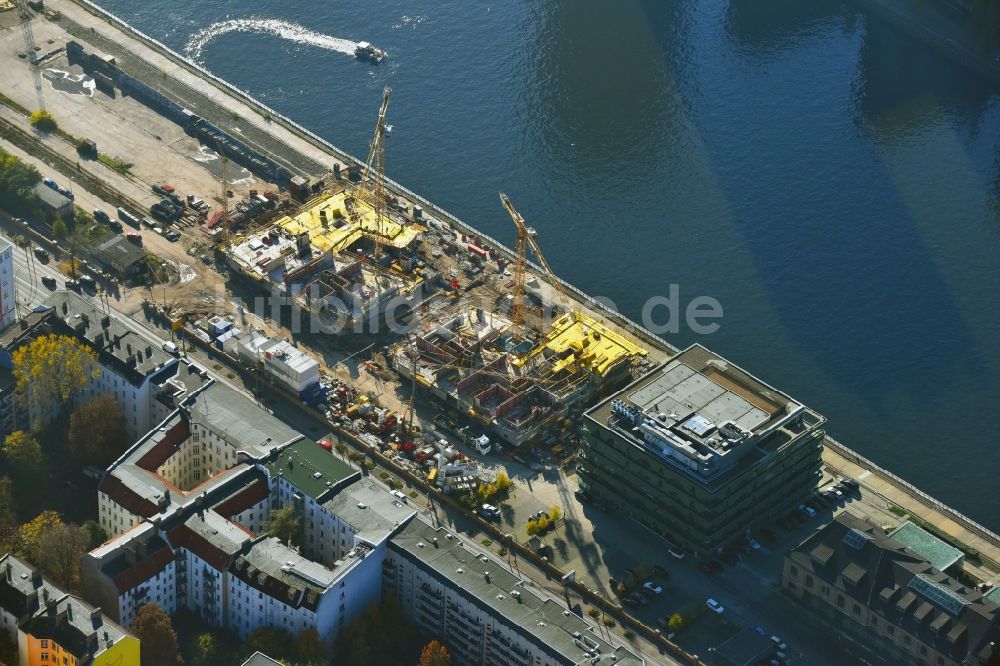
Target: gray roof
878, 572
118, 345
118, 252
260, 659
51, 198
238, 420
370, 510
540, 617
72, 622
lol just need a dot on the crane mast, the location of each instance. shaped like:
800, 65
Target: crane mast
29, 46
371, 188
526, 239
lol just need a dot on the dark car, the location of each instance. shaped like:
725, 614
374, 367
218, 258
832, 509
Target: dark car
49, 281
42, 253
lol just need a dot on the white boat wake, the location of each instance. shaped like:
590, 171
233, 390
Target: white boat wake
292, 32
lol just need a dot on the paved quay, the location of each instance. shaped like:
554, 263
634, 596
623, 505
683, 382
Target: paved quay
895, 491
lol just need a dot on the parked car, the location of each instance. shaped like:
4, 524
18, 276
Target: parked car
489, 512
778, 643
753, 544
715, 607
169, 347
173, 236
72, 284
808, 510
42, 253
652, 587
51, 184
49, 281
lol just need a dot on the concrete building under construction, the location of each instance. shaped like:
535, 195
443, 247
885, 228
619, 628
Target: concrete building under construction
322, 258
477, 362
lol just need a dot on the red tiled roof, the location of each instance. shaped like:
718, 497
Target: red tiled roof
144, 570
185, 537
127, 498
242, 500
162, 450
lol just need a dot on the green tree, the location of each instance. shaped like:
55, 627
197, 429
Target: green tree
59, 229
275, 643
96, 535
205, 650
49, 371
43, 121
8, 517
30, 534
434, 654
97, 431
309, 646
156, 634
58, 553
24, 453
284, 525
676, 622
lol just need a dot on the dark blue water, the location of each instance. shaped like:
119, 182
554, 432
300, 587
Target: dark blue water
832, 183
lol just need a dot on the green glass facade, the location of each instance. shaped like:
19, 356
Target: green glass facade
701, 515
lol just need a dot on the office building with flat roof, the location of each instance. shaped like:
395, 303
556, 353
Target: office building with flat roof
700, 451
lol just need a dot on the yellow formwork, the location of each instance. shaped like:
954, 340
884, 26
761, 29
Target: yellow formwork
581, 341
341, 231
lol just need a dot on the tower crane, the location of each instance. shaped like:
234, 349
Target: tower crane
526, 239
30, 48
371, 188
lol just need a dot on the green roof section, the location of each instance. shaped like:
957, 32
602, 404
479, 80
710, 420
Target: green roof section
993, 595
940, 554
312, 469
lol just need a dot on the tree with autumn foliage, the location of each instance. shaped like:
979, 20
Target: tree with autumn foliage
156, 634
49, 372
434, 654
54, 547
309, 647
97, 431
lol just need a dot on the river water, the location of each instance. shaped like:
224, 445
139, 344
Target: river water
831, 182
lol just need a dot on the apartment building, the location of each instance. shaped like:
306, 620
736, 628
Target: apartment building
130, 362
8, 298
483, 612
53, 628
187, 507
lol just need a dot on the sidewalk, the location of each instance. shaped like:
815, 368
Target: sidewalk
874, 480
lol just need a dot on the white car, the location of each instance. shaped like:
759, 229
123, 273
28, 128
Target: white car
653, 587
169, 347
398, 495
715, 607
778, 643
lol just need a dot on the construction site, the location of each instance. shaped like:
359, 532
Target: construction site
492, 337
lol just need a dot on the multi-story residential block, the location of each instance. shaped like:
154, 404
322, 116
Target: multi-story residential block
700, 451
8, 297
188, 506
481, 610
130, 363
53, 628
877, 593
